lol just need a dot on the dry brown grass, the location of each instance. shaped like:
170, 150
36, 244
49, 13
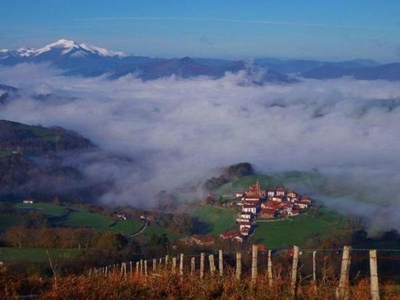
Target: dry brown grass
167, 285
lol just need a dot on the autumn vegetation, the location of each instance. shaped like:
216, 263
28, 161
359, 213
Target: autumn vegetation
165, 284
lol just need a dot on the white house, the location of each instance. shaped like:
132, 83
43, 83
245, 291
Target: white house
280, 191
249, 208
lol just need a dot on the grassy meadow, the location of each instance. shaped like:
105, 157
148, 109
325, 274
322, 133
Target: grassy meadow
213, 219
295, 230
9, 254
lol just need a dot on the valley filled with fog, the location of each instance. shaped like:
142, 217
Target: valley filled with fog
179, 132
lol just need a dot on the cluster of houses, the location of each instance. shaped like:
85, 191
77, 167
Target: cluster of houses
259, 203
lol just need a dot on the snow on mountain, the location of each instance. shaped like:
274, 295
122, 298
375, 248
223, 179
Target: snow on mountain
25, 52
65, 48
4, 53
102, 51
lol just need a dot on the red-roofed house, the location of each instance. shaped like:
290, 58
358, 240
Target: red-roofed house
278, 198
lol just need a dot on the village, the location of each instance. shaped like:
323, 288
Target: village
256, 203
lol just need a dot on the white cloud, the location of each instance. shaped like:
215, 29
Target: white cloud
179, 131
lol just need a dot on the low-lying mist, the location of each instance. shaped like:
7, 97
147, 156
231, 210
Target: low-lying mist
179, 131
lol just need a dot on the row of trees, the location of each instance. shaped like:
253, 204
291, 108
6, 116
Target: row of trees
62, 237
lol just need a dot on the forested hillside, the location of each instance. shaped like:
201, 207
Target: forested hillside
31, 158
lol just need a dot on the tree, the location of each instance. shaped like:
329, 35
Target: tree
17, 236
112, 241
35, 218
82, 238
48, 238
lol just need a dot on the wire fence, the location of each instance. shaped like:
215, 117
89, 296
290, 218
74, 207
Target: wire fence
344, 266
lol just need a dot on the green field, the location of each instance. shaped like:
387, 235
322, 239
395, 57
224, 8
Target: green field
216, 220
50, 210
127, 226
59, 216
35, 254
268, 181
157, 230
7, 221
81, 218
295, 230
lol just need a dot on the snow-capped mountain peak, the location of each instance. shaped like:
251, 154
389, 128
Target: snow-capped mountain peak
65, 47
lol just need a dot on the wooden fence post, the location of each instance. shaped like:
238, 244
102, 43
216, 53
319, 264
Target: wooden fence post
145, 268
373, 266
294, 268
166, 260
202, 265
154, 265
212, 265
343, 290
254, 258
173, 264
141, 267
130, 267
192, 265
314, 266
123, 269
137, 268
269, 264
181, 264
238, 265
220, 262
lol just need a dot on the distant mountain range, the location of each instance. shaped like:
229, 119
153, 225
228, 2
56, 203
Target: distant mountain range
87, 60
389, 72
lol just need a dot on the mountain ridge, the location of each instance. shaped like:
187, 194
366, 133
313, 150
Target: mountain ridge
91, 61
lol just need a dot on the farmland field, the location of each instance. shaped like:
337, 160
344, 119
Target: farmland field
7, 221
35, 254
216, 220
295, 230
48, 209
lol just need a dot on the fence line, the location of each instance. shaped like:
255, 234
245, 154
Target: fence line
342, 290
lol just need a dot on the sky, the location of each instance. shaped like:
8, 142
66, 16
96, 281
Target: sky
306, 29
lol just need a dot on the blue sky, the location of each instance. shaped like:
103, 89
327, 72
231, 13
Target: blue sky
332, 30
